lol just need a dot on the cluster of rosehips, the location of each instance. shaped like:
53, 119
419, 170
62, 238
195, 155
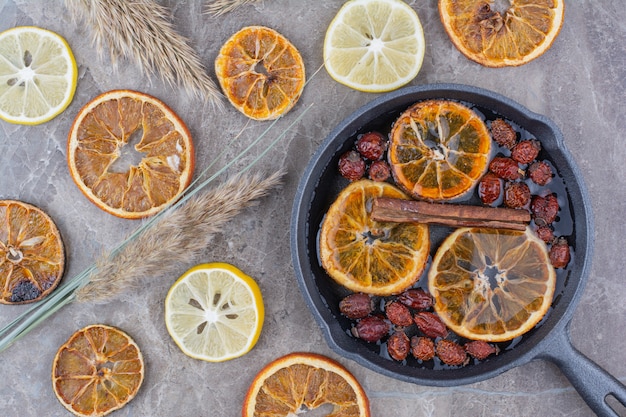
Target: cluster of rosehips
367, 157
410, 313
509, 172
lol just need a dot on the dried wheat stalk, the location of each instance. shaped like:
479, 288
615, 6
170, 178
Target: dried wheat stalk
141, 31
220, 7
178, 238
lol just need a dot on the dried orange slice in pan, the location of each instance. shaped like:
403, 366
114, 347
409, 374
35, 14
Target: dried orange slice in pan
492, 284
304, 381
513, 36
97, 371
101, 147
368, 256
260, 72
439, 149
32, 258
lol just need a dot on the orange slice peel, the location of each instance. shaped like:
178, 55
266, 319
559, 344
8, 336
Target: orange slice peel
261, 73
32, 257
98, 370
102, 132
286, 385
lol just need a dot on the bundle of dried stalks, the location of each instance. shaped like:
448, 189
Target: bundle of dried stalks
177, 238
141, 31
220, 7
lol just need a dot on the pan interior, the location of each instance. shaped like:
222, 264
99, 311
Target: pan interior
321, 184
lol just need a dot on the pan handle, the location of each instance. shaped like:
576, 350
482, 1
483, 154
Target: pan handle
592, 382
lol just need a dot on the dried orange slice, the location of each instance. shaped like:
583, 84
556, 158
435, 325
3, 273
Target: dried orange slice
439, 149
492, 284
97, 371
32, 258
497, 38
368, 256
101, 147
260, 72
303, 381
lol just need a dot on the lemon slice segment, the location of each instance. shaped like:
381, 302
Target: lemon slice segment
374, 45
38, 75
214, 312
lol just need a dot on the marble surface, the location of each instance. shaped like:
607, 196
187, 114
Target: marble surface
579, 84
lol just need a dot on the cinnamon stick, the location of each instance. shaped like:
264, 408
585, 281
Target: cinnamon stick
455, 215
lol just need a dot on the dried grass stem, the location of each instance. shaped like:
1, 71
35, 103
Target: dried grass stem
140, 31
177, 238
220, 7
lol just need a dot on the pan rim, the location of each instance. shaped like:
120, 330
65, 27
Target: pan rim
541, 338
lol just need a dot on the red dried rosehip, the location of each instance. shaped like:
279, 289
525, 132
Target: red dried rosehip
416, 298
371, 329
351, 166
505, 168
516, 195
398, 346
422, 348
540, 172
503, 133
371, 145
559, 253
480, 349
379, 171
545, 233
526, 151
398, 314
544, 209
451, 353
489, 188
356, 306
430, 324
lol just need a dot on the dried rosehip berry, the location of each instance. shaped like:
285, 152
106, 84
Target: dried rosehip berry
422, 348
398, 346
371, 329
503, 133
480, 349
451, 353
379, 171
545, 233
526, 151
398, 314
516, 195
544, 209
540, 172
489, 188
559, 253
430, 324
356, 306
505, 168
371, 145
351, 166
416, 298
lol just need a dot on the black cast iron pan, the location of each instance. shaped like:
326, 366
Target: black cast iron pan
550, 340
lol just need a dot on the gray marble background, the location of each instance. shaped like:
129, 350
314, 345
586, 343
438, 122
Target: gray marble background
579, 84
